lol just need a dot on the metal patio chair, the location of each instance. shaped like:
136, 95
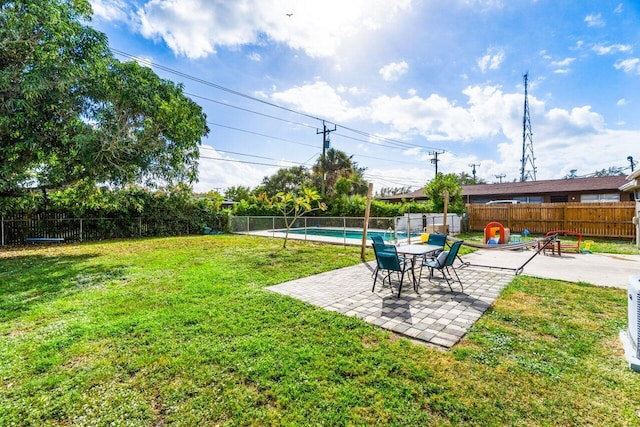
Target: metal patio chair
444, 263
388, 261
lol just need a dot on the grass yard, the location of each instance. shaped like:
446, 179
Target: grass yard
180, 331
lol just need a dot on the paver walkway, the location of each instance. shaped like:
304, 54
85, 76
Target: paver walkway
434, 315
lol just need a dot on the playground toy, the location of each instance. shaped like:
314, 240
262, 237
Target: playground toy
496, 234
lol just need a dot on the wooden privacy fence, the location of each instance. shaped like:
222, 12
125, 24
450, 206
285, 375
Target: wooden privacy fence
591, 219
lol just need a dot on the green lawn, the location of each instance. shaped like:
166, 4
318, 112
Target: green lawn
180, 331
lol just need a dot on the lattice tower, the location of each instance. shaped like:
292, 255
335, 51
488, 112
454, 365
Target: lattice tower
528, 165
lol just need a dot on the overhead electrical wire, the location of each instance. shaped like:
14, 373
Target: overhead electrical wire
249, 155
303, 144
262, 101
208, 83
388, 142
226, 104
260, 134
243, 161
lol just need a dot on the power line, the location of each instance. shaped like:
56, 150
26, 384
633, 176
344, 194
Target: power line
307, 145
259, 134
262, 101
226, 104
242, 161
248, 155
208, 83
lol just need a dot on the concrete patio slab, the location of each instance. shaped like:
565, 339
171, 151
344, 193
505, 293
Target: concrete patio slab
597, 269
433, 315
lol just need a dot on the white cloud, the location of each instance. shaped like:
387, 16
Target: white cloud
218, 171
578, 46
319, 99
353, 90
556, 155
491, 60
562, 137
621, 102
578, 121
563, 63
631, 65
392, 71
484, 5
254, 56
602, 49
110, 10
196, 28
594, 20
618, 8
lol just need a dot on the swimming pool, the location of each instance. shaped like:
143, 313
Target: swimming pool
347, 233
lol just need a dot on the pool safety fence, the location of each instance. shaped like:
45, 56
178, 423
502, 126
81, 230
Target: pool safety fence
401, 228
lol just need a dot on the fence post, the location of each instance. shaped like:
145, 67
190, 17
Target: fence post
81, 234
344, 231
139, 226
2, 231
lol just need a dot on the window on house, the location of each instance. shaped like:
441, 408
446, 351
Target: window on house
530, 199
595, 198
559, 199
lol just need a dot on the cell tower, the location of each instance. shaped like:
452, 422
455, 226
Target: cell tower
527, 140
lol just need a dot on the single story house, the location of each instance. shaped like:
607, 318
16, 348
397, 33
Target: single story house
585, 190
632, 185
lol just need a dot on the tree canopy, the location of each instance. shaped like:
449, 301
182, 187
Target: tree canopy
285, 180
70, 111
436, 188
336, 165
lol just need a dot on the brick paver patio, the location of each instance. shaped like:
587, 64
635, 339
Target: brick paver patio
434, 314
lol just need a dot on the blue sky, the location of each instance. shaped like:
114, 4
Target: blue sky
398, 79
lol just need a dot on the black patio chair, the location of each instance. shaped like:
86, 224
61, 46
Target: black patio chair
387, 259
444, 263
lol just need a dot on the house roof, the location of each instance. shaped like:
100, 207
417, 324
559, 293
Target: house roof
574, 185
633, 182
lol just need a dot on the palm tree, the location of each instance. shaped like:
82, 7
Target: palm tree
336, 164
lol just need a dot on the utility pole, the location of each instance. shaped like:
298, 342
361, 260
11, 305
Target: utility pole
631, 162
527, 139
434, 159
325, 146
473, 170
500, 177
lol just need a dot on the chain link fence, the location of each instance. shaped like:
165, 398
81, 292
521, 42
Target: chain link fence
346, 229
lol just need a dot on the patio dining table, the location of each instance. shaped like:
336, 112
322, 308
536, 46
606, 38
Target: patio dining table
416, 251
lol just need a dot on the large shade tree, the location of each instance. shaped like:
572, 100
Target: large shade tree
70, 111
443, 184
285, 180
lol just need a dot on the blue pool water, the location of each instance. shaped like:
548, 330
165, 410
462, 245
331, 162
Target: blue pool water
347, 233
